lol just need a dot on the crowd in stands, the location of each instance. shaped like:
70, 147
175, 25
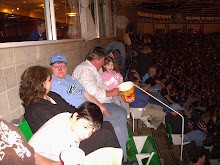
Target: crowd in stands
180, 70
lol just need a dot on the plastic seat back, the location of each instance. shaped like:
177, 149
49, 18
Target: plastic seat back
149, 146
25, 129
155, 160
169, 132
131, 150
129, 132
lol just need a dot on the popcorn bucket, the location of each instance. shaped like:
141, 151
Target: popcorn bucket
72, 156
127, 91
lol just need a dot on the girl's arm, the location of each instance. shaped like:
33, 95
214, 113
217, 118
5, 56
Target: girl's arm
107, 78
120, 78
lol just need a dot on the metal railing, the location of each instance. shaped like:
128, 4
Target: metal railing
181, 150
185, 86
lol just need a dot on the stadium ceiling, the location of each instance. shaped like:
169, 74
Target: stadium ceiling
186, 7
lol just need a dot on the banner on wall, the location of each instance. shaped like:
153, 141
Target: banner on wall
153, 18
148, 17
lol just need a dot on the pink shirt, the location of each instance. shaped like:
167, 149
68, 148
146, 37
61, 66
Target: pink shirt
110, 81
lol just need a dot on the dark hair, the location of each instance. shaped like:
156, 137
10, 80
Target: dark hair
96, 53
133, 79
92, 113
109, 59
167, 83
39, 22
172, 91
32, 84
99, 47
131, 74
197, 152
116, 51
145, 48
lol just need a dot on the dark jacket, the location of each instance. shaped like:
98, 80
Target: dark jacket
39, 113
176, 124
144, 63
34, 36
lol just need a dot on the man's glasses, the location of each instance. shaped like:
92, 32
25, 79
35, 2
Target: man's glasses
59, 67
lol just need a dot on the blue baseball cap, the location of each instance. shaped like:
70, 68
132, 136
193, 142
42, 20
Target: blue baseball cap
176, 106
57, 58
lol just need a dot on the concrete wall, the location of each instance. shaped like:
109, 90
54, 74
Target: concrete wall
16, 57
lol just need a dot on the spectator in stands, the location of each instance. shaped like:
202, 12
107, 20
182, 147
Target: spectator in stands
197, 155
16, 150
41, 104
174, 95
67, 130
175, 122
67, 86
118, 50
132, 74
113, 79
187, 110
145, 60
39, 33
181, 97
158, 96
89, 74
165, 92
149, 78
154, 111
202, 123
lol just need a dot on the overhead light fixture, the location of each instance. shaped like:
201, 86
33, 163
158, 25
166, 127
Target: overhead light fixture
72, 14
41, 5
5, 11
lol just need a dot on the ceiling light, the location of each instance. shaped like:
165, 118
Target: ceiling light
5, 11
72, 14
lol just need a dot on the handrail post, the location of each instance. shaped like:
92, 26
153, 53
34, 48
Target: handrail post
181, 150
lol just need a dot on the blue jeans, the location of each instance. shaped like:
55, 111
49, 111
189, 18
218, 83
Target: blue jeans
161, 98
118, 119
195, 135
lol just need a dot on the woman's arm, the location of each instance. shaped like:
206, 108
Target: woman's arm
41, 160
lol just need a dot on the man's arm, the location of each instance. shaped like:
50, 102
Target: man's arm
112, 92
95, 101
169, 99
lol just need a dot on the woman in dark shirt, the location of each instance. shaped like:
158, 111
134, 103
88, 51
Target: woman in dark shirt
40, 103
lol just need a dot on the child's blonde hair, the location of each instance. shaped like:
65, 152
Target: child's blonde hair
109, 59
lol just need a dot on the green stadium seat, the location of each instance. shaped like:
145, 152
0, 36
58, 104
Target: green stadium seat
154, 160
25, 129
175, 139
139, 147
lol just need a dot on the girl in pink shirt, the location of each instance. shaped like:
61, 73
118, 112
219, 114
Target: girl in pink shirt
113, 79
